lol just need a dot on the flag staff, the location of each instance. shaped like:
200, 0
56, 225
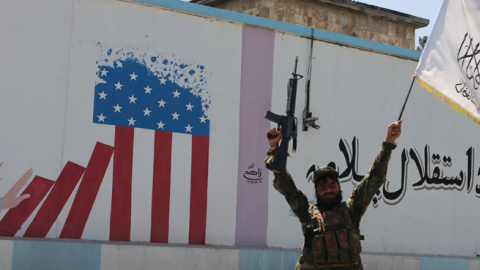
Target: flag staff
403, 108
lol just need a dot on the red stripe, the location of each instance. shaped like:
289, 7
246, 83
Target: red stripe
53, 205
198, 193
161, 186
87, 191
15, 217
120, 219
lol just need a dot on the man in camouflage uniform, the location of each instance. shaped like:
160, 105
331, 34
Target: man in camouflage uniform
332, 227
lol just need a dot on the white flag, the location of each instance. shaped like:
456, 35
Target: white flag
450, 63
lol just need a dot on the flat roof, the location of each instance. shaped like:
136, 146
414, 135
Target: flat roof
360, 7
317, 34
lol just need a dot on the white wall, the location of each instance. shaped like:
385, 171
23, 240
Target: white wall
47, 82
357, 93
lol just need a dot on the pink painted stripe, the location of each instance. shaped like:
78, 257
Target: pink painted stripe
255, 99
56, 200
121, 213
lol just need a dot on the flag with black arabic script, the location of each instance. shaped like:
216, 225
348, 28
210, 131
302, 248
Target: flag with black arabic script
450, 63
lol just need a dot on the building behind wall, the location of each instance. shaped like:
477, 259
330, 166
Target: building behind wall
340, 16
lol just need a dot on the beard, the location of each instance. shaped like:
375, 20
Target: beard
329, 203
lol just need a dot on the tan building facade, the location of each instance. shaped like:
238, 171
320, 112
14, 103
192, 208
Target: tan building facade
345, 17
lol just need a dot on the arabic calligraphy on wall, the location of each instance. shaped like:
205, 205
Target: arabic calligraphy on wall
253, 176
430, 167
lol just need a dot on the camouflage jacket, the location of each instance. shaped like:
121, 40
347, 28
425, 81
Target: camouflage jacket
356, 204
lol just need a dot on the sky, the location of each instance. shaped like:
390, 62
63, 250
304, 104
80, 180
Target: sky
427, 9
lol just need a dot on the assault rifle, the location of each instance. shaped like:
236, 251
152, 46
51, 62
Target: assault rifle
308, 120
287, 124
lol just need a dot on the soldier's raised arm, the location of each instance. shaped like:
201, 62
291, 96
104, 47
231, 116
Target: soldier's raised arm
284, 183
363, 193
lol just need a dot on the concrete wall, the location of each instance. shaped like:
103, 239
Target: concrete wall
173, 182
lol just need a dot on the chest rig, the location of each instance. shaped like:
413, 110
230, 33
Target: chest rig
333, 238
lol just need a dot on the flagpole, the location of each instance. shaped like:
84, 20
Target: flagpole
403, 108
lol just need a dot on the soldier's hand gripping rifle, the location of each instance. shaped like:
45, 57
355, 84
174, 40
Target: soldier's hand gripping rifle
288, 125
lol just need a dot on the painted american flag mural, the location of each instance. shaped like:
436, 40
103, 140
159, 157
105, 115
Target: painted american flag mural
150, 169
157, 92
134, 89
162, 93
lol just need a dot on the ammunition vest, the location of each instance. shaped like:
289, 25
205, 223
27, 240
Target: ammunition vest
336, 241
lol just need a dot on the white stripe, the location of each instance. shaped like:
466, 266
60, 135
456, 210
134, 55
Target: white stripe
180, 188
142, 176
98, 222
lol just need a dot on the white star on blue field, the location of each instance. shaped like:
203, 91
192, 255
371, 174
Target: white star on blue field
134, 97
